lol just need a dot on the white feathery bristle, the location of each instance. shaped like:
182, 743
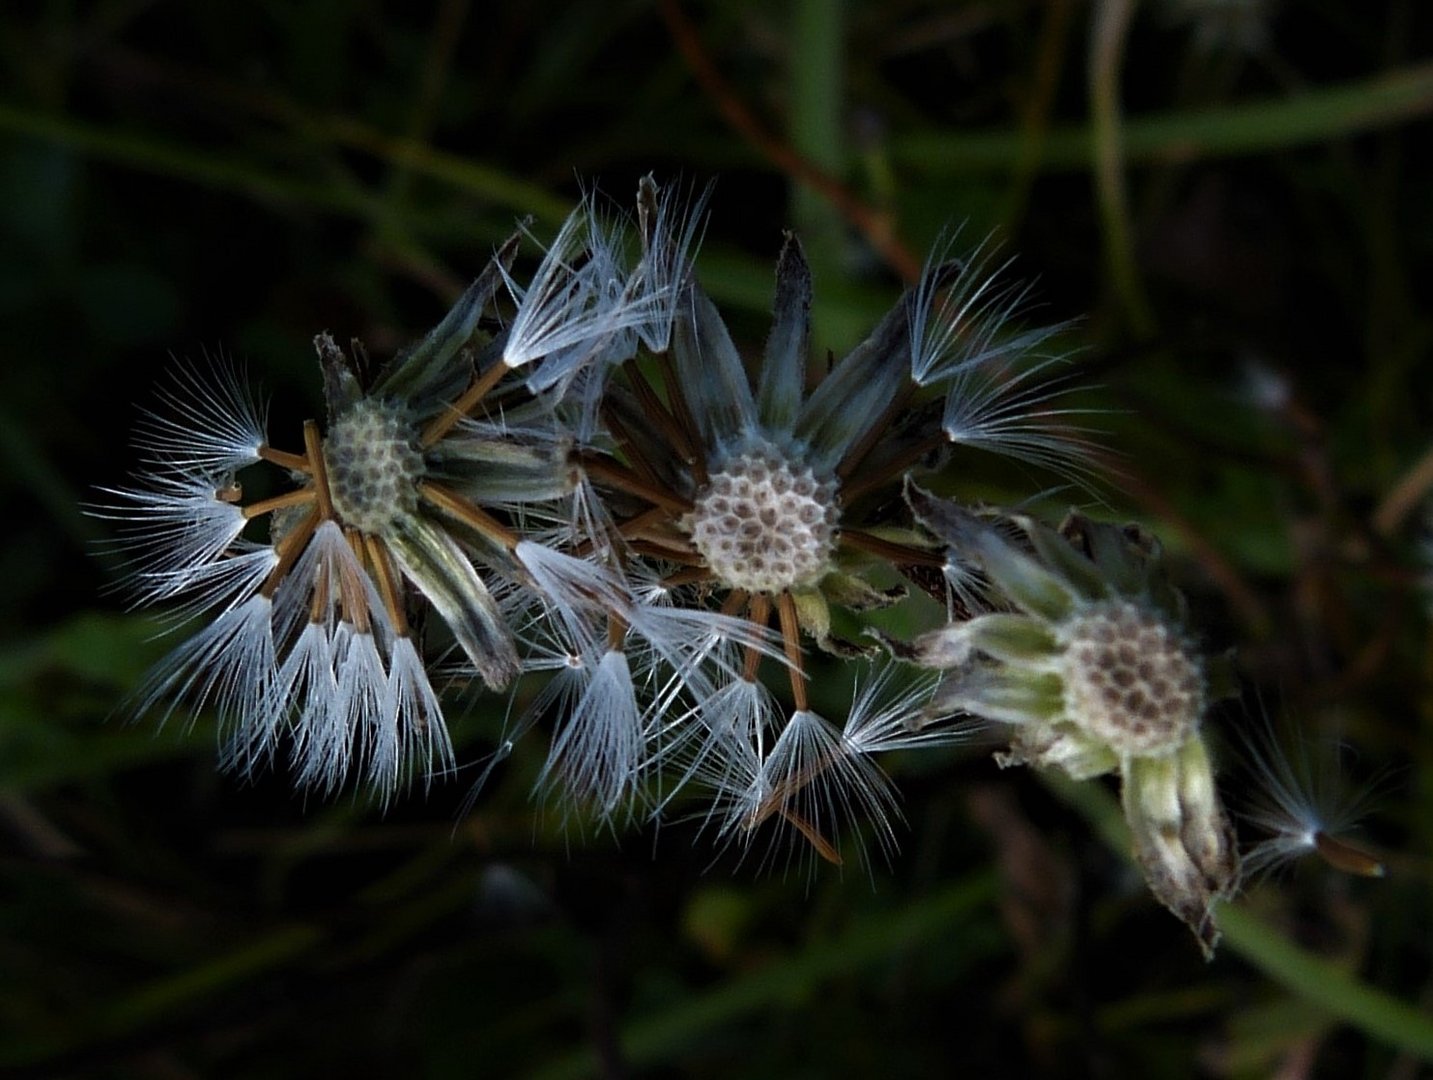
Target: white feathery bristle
330, 562
580, 592
690, 639
598, 752
229, 665
410, 722
1295, 795
322, 743
544, 651
172, 530
577, 303
219, 585
676, 234
216, 425
590, 520
1012, 413
719, 742
967, 322
359, 674
814, 777
340, 729
886, 717
555, 294
965, 585
578, 518
583, 391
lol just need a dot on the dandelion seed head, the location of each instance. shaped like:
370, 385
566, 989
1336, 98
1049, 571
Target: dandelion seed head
1095, 675
1130, 681
373, 466
765, 523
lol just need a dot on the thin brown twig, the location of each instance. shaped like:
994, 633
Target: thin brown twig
875, 226
899, 554
289, 549
313, 444
610, 472
682, 412
791, 640
475, 517
392, 595
301, 497
1035, 115
285, 460
758, 613
1404, 496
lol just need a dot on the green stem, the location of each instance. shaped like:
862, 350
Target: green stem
1107, 41
462, 173
815, 130
1316, 116
1327, 985
659, 1037
160, 999
230, 174
739, 281
186, 989
815, 123
1377, 1014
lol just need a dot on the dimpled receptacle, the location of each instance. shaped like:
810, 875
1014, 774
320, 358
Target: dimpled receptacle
373, 466
1131, 681
765, 523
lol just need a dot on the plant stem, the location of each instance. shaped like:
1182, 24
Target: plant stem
1376, 1013
1316, 116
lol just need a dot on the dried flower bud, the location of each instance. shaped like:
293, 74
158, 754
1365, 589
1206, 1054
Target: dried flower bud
1095, 674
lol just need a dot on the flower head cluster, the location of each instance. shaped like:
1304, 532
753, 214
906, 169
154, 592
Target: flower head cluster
401, 501
768, 497
579, 473
1094, 673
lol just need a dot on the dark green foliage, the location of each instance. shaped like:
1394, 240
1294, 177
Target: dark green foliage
176, 178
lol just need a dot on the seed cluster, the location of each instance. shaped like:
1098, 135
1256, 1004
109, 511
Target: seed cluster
373, 466
1131, 681
764, 523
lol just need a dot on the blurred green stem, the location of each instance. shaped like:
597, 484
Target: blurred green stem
162, 998
1377, 1014
815, 124
24, 457
740, 281
1107, 41
433, 74
874, 939
235, 174
1035, 118
1327, 985
817, 60
1314, 116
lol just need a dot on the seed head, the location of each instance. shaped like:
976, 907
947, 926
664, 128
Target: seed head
1130, 680
586, 458
1298, 800
765, 523
311, 645
758, 495
373, 465
1094, 675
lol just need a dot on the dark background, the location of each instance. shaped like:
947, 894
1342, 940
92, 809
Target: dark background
179, 179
